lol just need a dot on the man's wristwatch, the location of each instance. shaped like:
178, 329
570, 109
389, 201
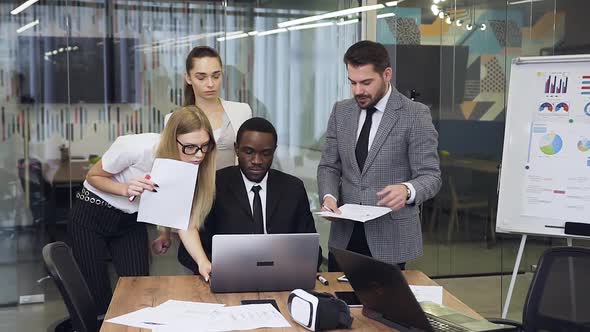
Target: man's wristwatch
408, 193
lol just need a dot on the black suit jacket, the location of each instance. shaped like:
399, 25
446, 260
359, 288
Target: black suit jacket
287, 210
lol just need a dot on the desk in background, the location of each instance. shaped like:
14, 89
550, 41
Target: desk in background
473, 164
134, 293
63, 179
61, 172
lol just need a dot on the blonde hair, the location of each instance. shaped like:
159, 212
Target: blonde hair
183, 121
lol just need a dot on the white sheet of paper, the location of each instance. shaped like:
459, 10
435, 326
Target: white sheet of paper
171, 205
428, 293
142, 318
168, 313
243, 317
356, 212
189, 306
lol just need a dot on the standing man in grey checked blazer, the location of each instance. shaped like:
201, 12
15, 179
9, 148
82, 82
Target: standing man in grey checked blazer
380, 149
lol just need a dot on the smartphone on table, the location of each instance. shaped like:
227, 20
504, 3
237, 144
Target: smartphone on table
349, 298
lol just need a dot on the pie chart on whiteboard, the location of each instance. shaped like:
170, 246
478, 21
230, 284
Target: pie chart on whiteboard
551, 144
584, 145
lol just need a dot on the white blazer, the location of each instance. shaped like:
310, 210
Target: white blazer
237, 113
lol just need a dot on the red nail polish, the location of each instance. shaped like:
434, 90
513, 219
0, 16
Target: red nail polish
147, 177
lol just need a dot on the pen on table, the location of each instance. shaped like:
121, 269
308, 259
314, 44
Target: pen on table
153, 323
147, 177
323, 280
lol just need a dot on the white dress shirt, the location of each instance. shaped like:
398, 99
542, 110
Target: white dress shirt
249, 184
376, 120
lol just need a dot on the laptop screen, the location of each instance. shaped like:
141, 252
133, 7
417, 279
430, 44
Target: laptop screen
264, 262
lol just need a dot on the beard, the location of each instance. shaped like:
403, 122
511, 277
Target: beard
366, 101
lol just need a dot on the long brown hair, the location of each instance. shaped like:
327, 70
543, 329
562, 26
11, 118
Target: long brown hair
197, 53
183, 121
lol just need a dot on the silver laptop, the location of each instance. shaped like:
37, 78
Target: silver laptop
264, 262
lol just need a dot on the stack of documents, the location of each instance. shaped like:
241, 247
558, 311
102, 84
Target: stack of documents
207, 317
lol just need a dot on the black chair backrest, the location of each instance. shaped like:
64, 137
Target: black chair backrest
559, 295
76, 295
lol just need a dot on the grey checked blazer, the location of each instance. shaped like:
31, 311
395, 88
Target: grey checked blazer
404, 150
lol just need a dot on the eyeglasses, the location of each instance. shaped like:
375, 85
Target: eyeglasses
191, 149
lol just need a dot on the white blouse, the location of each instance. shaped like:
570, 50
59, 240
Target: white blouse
130, 157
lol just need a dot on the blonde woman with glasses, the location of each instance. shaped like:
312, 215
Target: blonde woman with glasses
103, 221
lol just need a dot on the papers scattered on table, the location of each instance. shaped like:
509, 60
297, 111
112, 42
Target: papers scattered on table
171, 205
357, 212
428, 293
180, 316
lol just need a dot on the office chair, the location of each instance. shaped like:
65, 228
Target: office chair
74, 291
558, 299
37, 188
458, 197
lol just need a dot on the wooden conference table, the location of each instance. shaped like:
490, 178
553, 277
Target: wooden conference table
134, 293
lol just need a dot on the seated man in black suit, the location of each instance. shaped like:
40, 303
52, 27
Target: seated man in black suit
251, 198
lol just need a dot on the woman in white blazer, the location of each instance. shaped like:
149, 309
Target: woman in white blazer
203, 78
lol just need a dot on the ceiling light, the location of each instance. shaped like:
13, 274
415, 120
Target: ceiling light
271, 32
469, 26
434, 9
234, 36
459, 23
22, 7
329, 15
482, 27
348, 22
27, 26
311, 26
441, 15
436, 1
252, 33
391, 3
449, 20
386, 15
522, 1
233, 33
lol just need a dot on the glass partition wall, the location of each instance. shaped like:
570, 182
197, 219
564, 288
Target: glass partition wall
74, 75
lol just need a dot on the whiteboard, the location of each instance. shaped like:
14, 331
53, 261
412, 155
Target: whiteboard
545, 173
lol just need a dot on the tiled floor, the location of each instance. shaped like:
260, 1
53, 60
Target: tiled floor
484, 294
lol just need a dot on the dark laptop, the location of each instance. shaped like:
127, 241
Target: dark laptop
387, 298
264, 262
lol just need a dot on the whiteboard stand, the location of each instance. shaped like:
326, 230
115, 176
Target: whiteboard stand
535, 82
514, 272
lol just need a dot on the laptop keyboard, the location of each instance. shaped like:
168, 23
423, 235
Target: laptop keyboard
442, 326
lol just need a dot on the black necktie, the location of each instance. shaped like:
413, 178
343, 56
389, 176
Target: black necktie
362, 145
257, 211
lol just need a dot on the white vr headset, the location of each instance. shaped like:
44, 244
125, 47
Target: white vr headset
318, 311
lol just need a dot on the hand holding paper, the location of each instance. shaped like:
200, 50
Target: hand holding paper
356, 212
171, 205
